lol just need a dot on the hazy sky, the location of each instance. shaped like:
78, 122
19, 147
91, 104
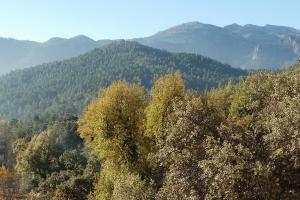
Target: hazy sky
100, 19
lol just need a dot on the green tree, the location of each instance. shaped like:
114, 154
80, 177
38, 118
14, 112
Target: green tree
53, 163
181, 150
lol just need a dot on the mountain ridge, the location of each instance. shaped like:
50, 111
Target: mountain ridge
248, 46
18, 54
242, 46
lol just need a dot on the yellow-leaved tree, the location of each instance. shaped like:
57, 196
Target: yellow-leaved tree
113, 128
165, 91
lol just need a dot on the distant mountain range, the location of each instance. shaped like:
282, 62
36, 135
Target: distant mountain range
19, 54
70, 84
247, 47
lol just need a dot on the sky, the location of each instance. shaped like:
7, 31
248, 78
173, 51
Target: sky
40, 20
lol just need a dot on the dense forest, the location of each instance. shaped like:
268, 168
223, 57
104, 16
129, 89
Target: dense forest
133, 141
70, 85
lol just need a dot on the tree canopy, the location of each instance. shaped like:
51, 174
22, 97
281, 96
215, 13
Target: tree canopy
240, 141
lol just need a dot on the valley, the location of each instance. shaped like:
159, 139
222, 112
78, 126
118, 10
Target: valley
149, 100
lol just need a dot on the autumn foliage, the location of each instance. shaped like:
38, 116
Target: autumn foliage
236, 142
239, 142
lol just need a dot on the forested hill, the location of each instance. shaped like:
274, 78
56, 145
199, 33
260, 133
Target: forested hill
69, 85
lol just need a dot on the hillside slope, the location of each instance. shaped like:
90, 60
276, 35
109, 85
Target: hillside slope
69, 85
